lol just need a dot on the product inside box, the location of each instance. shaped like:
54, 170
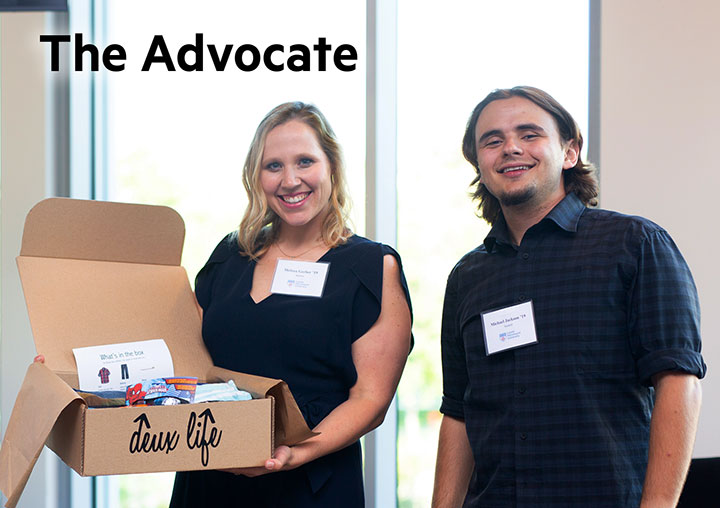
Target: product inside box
166, 391
96, 273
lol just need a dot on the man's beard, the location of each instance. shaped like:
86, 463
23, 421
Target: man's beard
518, 198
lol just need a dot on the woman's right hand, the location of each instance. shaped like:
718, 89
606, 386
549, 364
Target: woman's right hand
39, 359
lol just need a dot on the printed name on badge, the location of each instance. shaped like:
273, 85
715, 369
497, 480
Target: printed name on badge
509, 328
299, 278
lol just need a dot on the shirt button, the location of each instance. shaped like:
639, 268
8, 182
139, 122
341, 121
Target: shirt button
526, 255
521, 298
523, 436
521, 390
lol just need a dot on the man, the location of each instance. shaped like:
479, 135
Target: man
570, 337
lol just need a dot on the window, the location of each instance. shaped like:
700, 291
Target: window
449, 58
180, 138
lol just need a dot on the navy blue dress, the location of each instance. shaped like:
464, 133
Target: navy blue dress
305, 341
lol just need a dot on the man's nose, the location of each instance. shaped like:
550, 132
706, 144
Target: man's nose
511, 146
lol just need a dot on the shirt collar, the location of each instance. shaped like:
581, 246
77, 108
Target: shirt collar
567, 212
566, 215
498, 234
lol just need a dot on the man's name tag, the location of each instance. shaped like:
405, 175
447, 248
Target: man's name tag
299, 278
509, 327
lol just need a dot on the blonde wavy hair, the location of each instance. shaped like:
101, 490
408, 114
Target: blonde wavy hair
259, 226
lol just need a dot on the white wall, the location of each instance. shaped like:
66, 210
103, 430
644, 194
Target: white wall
24, 181
659, 114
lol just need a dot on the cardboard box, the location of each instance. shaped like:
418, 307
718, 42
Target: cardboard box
102, 273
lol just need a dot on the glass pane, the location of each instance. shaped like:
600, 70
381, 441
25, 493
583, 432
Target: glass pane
180, 138
449, 58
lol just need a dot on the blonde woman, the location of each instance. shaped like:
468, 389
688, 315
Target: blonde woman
341, 349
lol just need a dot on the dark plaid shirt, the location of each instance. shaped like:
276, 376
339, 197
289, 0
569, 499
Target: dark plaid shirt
565, 422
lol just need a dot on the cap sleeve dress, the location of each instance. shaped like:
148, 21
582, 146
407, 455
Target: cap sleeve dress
305, 341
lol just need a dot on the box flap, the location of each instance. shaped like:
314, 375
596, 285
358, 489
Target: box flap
76, 303
290, 426
42, 397
103, 231
97, 273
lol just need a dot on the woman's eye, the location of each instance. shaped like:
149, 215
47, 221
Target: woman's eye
305, 162
272, 166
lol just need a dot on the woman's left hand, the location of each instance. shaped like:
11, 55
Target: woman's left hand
279, 462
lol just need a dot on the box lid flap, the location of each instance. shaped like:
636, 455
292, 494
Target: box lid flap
42, 397
103, 231
96, 273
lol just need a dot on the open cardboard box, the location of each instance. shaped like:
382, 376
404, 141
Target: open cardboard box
98, 273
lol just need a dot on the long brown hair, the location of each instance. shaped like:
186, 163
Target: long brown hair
580, 179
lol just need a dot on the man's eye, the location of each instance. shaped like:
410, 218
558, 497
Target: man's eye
492, 142
530, 136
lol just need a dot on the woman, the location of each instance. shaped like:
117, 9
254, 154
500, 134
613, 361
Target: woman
341, 352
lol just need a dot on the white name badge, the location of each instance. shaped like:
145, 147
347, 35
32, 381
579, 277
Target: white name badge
509, 327
299, 278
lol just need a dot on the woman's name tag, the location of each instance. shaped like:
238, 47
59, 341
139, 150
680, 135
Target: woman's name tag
509, 327
299, 278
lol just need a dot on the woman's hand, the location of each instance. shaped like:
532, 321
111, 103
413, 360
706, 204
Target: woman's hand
39, 359
279, 462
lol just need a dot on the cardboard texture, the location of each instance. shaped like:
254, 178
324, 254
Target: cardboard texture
98, 273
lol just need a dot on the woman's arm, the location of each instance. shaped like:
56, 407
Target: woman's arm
379, 357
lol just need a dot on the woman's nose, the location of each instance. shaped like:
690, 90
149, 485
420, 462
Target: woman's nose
290, 177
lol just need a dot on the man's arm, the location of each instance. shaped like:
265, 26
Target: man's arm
672, 435
454, 464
